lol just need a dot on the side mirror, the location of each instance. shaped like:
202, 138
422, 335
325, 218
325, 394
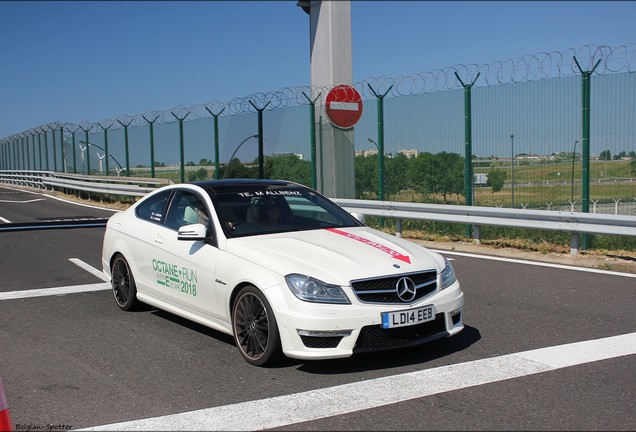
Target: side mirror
192, 232
358, 216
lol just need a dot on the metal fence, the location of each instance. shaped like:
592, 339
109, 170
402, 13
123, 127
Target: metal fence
557, 127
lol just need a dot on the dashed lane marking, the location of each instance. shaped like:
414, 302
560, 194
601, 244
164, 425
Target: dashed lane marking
45, 292
89, 268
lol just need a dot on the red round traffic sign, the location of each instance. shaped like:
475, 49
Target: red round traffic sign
344, 106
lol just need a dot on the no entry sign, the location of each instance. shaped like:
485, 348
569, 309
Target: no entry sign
344, 106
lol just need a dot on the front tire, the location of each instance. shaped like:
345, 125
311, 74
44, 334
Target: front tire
123, 284
255, 329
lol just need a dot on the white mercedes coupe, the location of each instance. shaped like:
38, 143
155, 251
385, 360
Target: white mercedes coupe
281, 268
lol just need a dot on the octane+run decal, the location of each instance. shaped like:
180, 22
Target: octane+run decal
171, 276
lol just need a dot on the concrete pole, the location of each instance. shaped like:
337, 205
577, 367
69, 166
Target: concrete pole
330, 58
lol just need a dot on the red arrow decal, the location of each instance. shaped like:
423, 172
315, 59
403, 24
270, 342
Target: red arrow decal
394, 254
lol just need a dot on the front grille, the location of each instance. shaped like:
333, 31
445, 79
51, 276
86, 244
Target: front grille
321, 341
376, 338
383, 289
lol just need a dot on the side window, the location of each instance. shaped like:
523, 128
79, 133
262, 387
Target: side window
153, 208
187, 208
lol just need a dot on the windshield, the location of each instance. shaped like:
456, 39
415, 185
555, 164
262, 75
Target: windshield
277, 209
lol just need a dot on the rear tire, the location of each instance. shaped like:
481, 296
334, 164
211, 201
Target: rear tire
255, 328
123, 284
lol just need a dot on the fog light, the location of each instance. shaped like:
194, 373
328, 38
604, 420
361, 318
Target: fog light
324, 333
456, 316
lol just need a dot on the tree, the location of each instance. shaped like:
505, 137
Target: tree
448, 174
496, 179
366, 169
395, 173
605, 155
620, 155
442, 173
235, 169
200, 174
419, 173
290, 167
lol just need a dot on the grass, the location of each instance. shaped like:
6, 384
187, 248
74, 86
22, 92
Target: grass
539, 185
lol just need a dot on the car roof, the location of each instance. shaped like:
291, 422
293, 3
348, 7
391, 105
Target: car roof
223, 186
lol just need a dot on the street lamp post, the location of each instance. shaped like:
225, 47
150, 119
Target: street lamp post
573, 156
607, 152
512, 167
235, 150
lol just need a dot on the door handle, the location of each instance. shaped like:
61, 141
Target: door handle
157, 239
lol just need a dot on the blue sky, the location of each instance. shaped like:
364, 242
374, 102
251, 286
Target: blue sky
87, 61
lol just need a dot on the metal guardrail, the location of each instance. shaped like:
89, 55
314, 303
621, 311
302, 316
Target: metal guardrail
575, 223
49, 180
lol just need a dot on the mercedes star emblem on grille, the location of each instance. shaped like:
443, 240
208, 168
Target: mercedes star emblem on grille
405, 288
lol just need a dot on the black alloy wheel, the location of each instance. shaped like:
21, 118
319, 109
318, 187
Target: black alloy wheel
255, 329
123, 284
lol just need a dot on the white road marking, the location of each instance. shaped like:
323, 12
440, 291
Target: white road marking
45, 292
62, 199
48, 196
21, 190
339, 400
89, 268
17, 202
82, 204
22, 202
537, 263
12, 295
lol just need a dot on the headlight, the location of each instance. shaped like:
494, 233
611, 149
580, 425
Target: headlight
448, 275
312, 290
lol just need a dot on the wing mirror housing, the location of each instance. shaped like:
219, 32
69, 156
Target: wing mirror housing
358, 216
192, 232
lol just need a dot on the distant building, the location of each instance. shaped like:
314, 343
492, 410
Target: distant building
372, 152
526, 156
298, 155
481, 179
412, 153
366, 153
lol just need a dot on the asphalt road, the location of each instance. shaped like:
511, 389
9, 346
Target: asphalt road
76, 361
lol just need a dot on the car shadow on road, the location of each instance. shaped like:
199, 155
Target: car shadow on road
199, 328
358, 362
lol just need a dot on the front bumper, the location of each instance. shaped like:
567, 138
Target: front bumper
322, 331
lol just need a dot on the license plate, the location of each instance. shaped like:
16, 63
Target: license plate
408, 317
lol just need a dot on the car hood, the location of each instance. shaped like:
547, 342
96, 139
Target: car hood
336, 256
